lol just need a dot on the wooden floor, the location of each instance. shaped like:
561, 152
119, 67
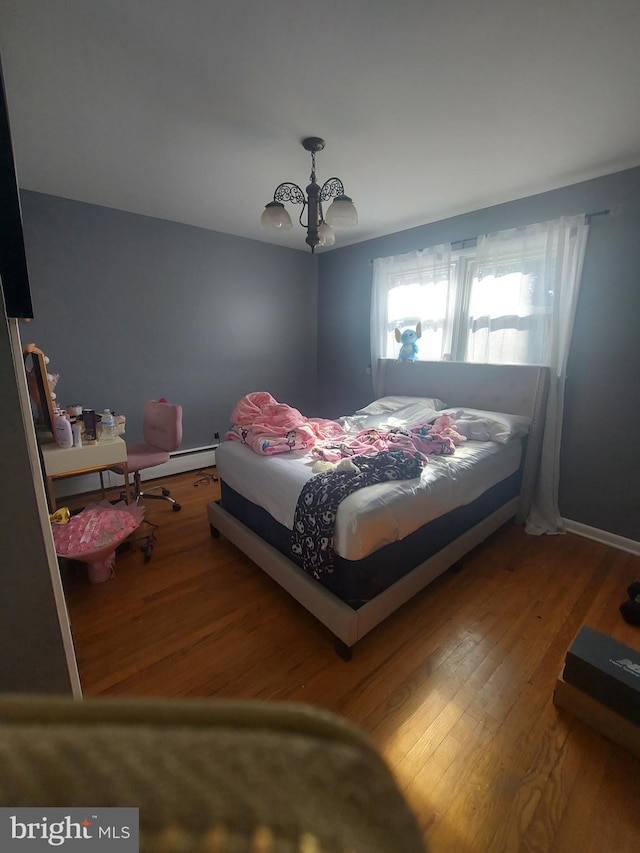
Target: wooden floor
455, 688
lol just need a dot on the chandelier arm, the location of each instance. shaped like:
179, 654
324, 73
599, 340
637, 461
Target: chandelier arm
304, 207
289, 192
331, 188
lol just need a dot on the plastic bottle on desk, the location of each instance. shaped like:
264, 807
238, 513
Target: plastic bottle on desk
76, 431
62, 430
108, 426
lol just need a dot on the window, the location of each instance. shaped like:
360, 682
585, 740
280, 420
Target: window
420, 297
498, 313
508, 316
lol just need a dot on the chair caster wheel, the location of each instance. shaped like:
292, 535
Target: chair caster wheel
176, 507
166, 492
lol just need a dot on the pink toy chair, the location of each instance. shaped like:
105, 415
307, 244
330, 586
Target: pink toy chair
162, 435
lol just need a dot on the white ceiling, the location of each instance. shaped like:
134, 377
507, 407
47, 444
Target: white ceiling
193, 110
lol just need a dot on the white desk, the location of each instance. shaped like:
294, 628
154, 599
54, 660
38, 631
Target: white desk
70, 461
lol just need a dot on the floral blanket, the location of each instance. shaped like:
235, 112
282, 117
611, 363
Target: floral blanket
270, 427
418, 442
315, 516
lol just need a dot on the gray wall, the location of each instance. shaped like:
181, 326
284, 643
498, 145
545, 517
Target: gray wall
130, 308
600, 456
32, 658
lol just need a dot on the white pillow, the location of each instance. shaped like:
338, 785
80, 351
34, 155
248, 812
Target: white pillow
500, 426
387, 405
392, 413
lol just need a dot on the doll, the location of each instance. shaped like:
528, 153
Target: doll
408, 338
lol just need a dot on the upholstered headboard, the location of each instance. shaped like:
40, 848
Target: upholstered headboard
516, 389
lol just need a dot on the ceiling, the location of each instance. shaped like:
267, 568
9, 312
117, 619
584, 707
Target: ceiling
193, 110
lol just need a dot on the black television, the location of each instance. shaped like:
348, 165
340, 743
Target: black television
13, 260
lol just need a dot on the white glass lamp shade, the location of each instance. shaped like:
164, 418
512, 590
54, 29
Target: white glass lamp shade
342, 212
275, 217
326, 235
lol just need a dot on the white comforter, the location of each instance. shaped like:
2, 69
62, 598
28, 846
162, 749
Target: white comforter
377, 515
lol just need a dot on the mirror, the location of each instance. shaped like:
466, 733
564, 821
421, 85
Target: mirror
38, 384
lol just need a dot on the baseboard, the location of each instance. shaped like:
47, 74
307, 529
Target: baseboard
602, 536
179, 463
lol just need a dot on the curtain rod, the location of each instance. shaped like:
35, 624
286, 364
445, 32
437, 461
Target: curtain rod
469, 242
590, 216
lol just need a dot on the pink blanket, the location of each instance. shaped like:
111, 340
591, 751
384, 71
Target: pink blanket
93, 535
269, 427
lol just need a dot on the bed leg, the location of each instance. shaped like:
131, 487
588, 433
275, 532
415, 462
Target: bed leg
214, 531
342, 650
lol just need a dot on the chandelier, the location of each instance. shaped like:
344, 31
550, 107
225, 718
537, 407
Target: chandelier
319, 231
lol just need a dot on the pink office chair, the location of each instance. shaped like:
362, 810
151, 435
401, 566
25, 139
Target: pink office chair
162, 435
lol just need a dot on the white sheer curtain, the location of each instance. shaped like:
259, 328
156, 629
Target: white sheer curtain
537, 270
408, 289
510, 301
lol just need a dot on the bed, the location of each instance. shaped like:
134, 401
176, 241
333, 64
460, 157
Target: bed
376, 571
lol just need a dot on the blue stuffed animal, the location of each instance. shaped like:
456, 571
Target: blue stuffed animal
408, 338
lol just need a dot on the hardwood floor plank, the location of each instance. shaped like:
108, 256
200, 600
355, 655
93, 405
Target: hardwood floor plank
578, 819
543, 826
617, 815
